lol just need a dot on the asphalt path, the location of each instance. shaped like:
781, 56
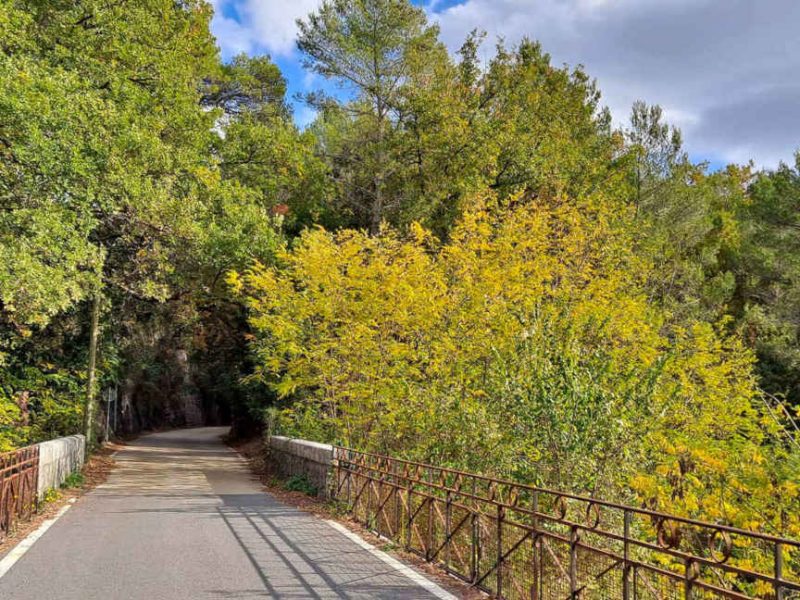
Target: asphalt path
181, 517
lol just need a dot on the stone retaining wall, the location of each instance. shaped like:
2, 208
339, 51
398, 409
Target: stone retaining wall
58, 459
288, 457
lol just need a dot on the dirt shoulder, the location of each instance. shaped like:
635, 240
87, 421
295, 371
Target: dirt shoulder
94, 473
252, 451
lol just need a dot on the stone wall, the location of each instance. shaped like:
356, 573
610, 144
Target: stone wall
58, 459
288, 457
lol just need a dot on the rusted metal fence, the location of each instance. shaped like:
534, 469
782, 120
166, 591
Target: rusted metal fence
519, 541
19, 472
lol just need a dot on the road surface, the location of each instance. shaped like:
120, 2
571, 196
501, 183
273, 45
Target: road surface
181, 517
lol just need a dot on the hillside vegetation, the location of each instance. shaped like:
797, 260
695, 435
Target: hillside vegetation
458, 261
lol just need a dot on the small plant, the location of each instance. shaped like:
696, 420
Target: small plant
73, 480
51, 495
300, 483
337, 508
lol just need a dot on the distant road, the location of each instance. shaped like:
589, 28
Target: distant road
181, 517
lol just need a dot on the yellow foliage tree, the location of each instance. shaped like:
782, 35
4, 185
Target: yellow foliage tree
526, 347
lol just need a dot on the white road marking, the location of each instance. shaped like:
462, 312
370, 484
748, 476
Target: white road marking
20, 549
421, 581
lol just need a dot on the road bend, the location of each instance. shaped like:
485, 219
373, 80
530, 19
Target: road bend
181, 517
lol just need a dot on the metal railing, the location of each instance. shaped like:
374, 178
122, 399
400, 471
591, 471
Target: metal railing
19, 472
520, 541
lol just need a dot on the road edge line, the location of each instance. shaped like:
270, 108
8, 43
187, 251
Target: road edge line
421, 581
18, 551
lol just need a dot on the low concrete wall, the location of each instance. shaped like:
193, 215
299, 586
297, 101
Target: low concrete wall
288, 457
58, 459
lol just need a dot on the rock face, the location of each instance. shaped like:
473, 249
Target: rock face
192, 410
167, 395
190, 403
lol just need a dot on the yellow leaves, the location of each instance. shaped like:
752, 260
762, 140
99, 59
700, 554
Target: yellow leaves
234, 282
285, 387
790, 489
208, 177
419, 234
524, 345
644, 485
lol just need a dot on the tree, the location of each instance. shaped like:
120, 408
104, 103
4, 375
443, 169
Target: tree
252, 85
368, 48
527, 347
690, 219
656, 148
767, 297
550, 132
724, 243
111, 193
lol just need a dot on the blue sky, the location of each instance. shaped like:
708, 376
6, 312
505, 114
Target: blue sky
725, 71
299, 80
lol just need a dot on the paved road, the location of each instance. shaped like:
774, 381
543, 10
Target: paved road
182, 518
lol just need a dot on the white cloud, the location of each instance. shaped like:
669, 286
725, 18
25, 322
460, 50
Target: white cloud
266, 24
724, 70
232, 37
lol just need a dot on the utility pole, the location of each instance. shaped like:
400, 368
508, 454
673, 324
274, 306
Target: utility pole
89, 409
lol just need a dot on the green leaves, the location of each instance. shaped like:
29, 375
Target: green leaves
505, 283
767, 272
47, 264
251, 86
111, 175
390, 146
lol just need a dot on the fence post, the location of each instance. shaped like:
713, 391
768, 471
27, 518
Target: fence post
475, 554
349, 475
626, 567
778, 571
397, 511
410, 519
536, 544
429, 544
447, 526
501, 513
573, 562
687, 587
368, 513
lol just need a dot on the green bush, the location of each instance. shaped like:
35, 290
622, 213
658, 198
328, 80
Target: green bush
300, 483
73, 480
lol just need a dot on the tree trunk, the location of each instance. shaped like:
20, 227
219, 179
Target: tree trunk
89, 409
376, 212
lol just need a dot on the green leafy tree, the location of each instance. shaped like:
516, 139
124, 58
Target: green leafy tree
767, 297
112, 196
253, 85
551, 134
656, 148
376, 51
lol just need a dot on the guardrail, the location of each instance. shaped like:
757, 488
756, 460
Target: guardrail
19, 474
519, 541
